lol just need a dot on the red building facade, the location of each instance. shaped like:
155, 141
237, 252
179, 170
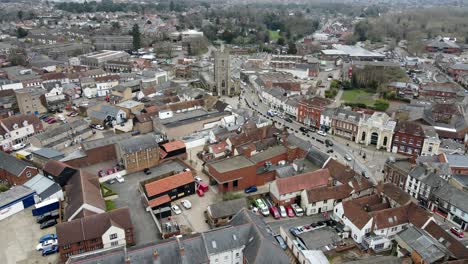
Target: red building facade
309, 111
408, 138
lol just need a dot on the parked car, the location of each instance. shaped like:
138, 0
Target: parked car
289, 211
289, 120
251, 189
363, 173
74, 114
47, 216
197, 179
98, 127
328, 142
50, 250
282, 211
147, 171
304, 129
281, 242
44, 238
48, 224
255, 104
348, 157
274, 212
119, 178
297, 210
51, 121
42, 117
330, 151
457, 232
18, 146
176, 209
294, 231
46, 243
186, 204
322, 133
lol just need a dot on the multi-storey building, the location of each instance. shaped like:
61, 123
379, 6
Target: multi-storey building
377, 130
31, 101
309, 111
345, 123
138, 153
18, 129
99, 231
408, 138
396, 171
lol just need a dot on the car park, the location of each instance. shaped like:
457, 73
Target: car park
176, 209
281, 242
46, 243
48, 224
50, 250
251, 189
297, 210
186, 204
457, 232
289, 211
44, 238
282, 211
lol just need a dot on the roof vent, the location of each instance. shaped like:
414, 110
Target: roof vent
234, 237
213, 243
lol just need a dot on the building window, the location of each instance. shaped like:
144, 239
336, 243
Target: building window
235, 183
225, 185
114, 243
67, 246
80, 251
28, 174
237, 254
113, 236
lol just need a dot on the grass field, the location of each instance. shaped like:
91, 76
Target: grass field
274, 35
358, 96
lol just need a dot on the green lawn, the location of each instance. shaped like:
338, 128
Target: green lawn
274, 35
358, 96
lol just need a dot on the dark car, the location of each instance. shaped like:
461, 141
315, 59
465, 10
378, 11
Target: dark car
294, 231
281, 242
289, 120
147, 171
330, 151
44, 238
251, 189
47, 216
50, 250
48, 224
304, 129
328, 142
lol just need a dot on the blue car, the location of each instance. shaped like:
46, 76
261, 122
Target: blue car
251, 189
44, 238
49, 250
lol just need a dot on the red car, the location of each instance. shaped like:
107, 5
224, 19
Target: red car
457, 232
51, 121
290, 211
274, 212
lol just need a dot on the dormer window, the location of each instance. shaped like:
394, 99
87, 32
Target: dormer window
15, 126
25, 123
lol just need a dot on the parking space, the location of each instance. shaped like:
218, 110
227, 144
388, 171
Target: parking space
129, 196
20, 235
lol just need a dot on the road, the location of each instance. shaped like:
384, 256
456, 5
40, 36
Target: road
340, 147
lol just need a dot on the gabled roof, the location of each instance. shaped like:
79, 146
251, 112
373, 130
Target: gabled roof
83, 188
55, 167
357, 210
226, 208
305, 181
325, 193
456, 248
168, 183
93, 226
396, 194
173, 145
12, 165
137, 143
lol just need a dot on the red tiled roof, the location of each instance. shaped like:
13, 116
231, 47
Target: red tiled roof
305, 181
218, 148
173, 145
171, 182
55, 167
336, 192
160, 200
446, 239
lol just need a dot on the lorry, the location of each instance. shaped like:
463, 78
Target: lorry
46, 206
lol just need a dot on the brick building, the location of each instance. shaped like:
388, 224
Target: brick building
309, 111
441, 90
408, 138
109, 229
458, 69
15, 171
396, 171
138, 153
345, 123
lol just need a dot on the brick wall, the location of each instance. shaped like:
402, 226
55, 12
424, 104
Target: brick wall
18, 179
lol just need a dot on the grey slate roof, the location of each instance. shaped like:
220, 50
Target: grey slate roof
43, 186
247, 230
453, 196
227, 208
65, 128
12, 164
137, 143
457, 160
49, 153
105, 141
16, 192
421, 242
